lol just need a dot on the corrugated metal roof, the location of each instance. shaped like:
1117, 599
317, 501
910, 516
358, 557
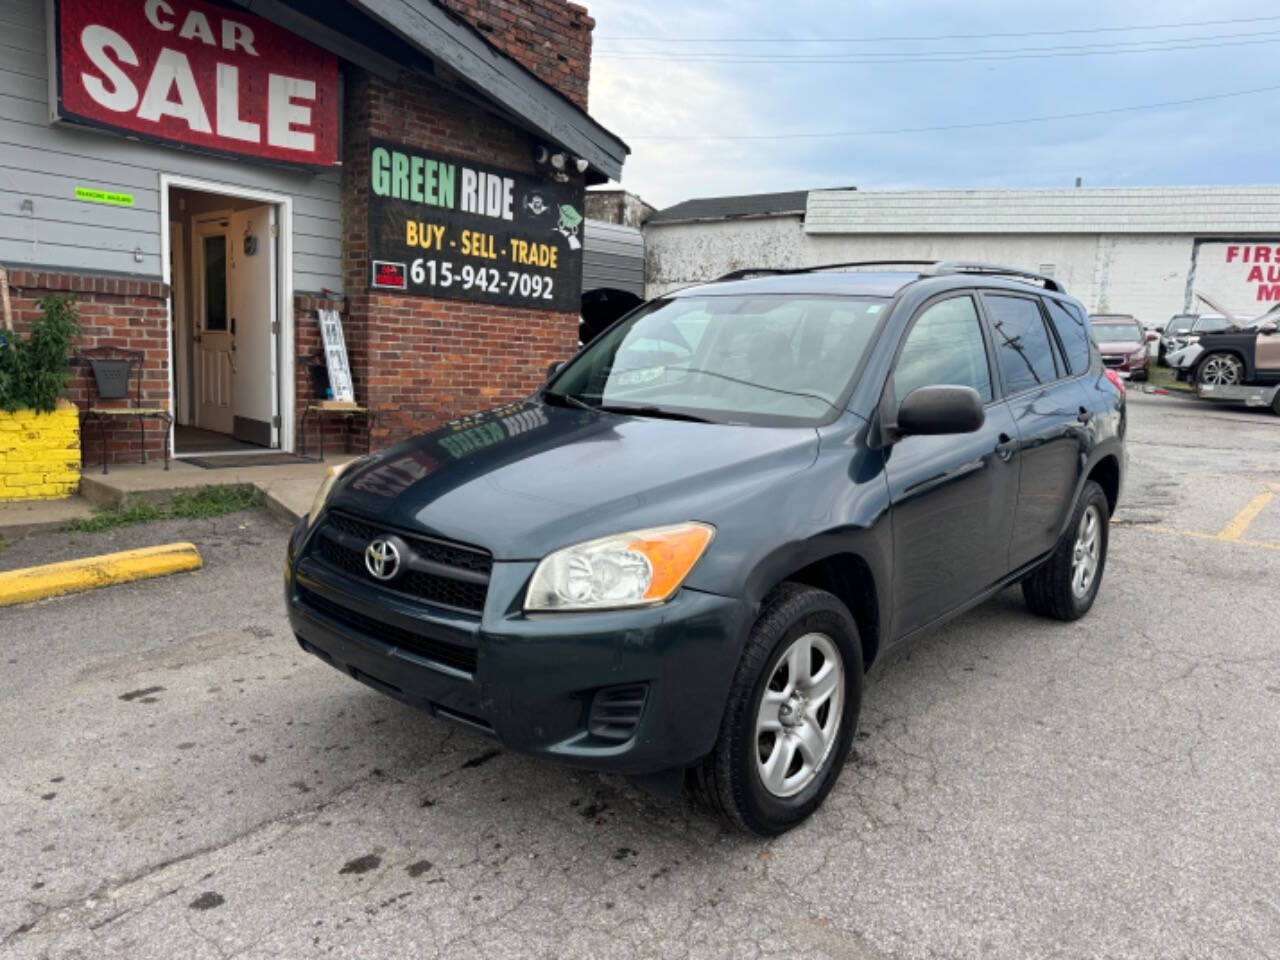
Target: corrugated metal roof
1201, 210
723, 208
612, 257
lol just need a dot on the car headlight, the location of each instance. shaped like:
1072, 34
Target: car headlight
326, 487
627, 570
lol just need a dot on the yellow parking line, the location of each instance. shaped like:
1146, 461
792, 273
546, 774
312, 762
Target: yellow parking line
53, 579
1212, 537
1240, 523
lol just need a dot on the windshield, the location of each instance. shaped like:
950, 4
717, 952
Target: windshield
1210, 324
762, 360
1127, 332
1180, 324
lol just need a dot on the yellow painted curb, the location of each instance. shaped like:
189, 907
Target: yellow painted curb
71, 576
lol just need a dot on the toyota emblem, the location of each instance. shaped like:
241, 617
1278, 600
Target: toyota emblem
382, 559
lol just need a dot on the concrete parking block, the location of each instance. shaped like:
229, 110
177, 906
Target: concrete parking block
89, 573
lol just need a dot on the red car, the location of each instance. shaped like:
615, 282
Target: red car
1123, 344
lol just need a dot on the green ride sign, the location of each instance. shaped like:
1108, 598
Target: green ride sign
442, 226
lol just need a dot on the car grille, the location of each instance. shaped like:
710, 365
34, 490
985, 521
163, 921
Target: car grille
1113, 361
457, 578
440, 651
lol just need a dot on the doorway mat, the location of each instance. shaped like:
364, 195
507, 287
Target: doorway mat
272, 459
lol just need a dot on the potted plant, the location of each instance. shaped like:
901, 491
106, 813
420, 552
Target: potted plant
39, 428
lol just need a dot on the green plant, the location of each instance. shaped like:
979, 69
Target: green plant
34, 371
213, 501
210, 501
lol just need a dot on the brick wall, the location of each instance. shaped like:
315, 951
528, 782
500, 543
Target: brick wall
419, 361
116, 312
39, 454
549, 38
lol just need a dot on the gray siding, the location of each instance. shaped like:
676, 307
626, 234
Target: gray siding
612, 257
44, 163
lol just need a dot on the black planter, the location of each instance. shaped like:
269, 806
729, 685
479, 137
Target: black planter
319, 380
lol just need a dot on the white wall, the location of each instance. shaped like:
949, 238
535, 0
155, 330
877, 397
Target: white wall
1145, 275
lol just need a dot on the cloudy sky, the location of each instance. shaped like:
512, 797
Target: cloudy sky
666, 75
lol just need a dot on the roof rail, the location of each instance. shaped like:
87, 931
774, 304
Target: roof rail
759, 271
946, 267
932, 268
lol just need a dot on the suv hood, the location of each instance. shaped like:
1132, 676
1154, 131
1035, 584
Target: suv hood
528, 478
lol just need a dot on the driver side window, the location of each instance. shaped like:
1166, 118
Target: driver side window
944, 346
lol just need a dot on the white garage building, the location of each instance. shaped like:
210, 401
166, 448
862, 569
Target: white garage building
1142, 251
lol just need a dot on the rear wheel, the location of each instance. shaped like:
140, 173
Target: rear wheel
1219, 370
791, 715
1065, 586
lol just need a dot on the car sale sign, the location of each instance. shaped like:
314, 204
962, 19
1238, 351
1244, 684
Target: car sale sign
199, 75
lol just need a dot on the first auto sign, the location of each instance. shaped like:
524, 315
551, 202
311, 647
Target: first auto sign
193, 73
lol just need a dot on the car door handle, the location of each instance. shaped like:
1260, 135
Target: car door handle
1006, 448
1085, 416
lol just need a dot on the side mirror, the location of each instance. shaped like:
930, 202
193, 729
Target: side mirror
554, 368
928, 411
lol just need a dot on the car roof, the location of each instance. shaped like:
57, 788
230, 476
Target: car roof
1113, 316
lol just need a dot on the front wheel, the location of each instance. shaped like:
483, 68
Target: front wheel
1219, 370
1065, 585
791, 714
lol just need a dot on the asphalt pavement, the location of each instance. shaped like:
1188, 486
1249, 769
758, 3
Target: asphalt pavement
179, 780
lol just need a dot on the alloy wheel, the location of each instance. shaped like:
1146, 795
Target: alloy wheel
1220, 371
798, 721
1087, 551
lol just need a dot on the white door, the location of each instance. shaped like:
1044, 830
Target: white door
213, 340
254, 397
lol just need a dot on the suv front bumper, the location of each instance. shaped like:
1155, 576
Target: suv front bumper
539, 684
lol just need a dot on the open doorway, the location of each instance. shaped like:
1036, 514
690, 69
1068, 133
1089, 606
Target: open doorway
229, 364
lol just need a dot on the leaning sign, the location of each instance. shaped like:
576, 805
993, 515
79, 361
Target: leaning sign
195, 74
440, 226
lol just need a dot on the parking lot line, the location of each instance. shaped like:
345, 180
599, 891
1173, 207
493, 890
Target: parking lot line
1240, 523
1211, 537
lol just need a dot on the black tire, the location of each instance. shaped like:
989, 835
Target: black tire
1139, 377
727, 782
1275, 404
1048, 590
1198, 377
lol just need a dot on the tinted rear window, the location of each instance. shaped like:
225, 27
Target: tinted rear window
1022, 342
1074, 334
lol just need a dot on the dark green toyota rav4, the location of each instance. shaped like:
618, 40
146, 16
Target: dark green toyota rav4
677, 560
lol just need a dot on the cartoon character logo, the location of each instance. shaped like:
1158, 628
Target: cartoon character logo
534, 203
569, 225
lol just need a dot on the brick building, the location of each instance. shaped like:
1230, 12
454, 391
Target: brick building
418, 167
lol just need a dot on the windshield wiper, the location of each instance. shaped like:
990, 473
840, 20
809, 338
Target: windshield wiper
652, 411
566, 400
